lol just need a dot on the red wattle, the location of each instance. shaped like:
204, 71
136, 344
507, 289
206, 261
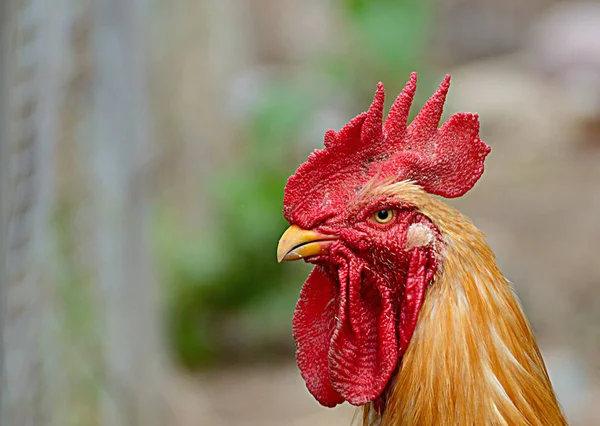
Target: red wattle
350, 330
420, 272
312, 326
364, 347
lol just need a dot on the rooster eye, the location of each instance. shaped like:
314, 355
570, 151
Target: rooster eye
383, 216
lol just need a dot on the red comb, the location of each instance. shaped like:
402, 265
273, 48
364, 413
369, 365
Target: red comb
445, 161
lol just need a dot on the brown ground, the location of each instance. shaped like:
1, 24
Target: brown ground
256, 396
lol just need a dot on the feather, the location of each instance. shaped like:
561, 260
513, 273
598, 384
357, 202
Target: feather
473, 359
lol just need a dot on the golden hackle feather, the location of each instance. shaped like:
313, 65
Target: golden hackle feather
473, 359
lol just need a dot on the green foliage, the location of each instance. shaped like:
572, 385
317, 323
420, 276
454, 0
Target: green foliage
388, 39
78, 324
394, 31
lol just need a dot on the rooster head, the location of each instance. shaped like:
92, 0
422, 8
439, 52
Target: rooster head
375, 252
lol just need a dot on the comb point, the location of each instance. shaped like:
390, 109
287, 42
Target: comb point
372, 129
395, 124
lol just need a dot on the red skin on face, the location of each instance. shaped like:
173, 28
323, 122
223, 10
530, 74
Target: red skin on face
359, 307
356, 313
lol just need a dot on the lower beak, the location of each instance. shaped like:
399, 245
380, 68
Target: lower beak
297, 243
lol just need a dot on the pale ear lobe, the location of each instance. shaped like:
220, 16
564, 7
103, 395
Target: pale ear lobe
418, 235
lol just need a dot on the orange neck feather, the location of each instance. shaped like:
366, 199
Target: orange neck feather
473, 359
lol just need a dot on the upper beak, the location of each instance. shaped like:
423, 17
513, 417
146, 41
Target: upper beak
297, 243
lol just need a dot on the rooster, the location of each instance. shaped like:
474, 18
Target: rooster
406, 312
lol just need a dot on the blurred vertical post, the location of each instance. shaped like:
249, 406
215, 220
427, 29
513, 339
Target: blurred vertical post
4, 119
121, 165
79, 316
29, 94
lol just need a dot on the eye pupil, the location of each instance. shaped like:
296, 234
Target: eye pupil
383, 216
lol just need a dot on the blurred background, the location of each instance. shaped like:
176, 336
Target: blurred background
144, 149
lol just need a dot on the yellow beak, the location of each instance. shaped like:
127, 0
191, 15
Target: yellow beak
297, 243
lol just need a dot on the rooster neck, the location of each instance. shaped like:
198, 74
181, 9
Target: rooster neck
473, 359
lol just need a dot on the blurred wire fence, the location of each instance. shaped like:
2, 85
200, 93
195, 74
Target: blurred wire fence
81, 325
